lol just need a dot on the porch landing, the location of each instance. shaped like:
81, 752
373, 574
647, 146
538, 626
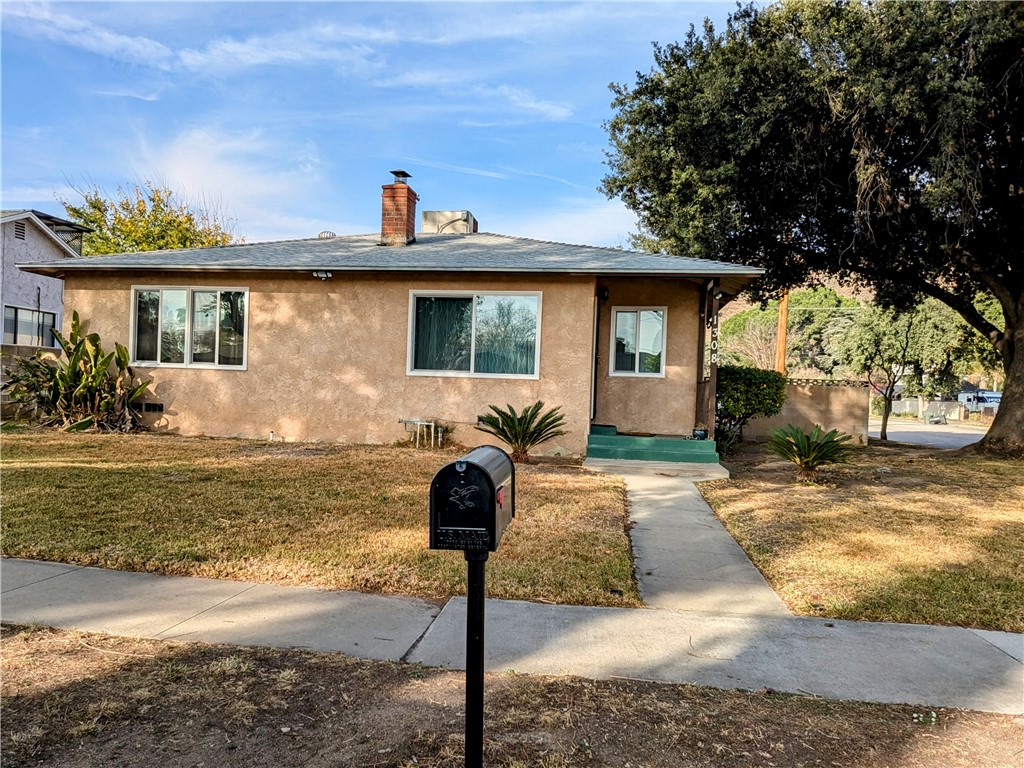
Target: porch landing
605, 443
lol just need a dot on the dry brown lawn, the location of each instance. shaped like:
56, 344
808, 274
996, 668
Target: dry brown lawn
73, 700
324, 515
899, 533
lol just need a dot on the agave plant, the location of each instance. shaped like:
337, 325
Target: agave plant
81, 391
808, 450
522, 431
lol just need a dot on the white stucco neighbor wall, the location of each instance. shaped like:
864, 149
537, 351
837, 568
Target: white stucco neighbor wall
24, 290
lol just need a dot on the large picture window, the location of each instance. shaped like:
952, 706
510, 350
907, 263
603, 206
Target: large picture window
475, 334
203, 327
29, 327
638, 341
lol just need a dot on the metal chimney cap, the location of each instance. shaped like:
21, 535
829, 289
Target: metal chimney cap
401, 176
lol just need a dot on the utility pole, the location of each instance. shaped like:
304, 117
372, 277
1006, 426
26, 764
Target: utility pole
780, 339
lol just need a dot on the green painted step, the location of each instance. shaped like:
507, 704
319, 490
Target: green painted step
653, 448
658, 443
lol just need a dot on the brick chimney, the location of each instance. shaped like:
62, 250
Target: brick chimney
398, 212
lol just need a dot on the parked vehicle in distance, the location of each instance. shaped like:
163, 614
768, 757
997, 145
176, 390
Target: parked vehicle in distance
979, 400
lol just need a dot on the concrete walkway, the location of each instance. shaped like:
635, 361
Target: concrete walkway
685, 559
702, 631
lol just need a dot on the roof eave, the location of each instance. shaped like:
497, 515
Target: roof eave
60, 270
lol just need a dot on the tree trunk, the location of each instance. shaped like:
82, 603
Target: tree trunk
1006, 435
883, 432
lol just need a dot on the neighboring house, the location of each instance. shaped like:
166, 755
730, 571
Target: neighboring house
33, 304
340, 338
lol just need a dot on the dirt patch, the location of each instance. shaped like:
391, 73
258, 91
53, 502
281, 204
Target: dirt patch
77, 700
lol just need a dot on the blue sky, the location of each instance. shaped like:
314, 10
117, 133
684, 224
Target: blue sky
288, 117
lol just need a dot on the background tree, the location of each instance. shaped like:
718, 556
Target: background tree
749, 337
921, 349
145, 218
881, 144
877, 345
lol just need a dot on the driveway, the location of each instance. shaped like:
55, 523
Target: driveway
951, 435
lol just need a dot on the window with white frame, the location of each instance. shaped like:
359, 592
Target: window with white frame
638, 341
181, 326
475, 334
29, 327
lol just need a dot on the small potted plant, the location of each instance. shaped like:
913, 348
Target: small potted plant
700, 432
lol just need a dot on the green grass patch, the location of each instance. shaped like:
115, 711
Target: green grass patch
324, 515
898, 534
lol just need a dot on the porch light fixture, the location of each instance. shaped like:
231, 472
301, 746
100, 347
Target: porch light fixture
322, 274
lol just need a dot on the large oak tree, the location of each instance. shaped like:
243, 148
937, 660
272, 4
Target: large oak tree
878, 143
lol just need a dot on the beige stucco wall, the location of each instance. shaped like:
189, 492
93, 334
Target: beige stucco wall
327, 360
648, 404
831, 405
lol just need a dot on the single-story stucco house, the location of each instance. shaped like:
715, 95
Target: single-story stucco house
342, 338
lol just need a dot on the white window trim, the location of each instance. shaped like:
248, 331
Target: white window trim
411, 340
189, 289
664, 342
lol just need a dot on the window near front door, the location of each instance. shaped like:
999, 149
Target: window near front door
638, 341
29, 327
475, 334
191, 327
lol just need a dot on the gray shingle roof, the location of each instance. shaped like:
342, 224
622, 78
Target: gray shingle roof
481, 252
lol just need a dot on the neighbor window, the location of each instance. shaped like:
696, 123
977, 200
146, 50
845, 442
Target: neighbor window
638, 341
485, 334
189, 326
29, 327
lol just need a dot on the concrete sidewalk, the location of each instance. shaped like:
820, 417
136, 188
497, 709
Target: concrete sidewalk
897, 663
712, 621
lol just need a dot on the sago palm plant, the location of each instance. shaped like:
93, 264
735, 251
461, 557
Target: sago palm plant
522, 431
809, 450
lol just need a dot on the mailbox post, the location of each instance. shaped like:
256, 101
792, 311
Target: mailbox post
472, 501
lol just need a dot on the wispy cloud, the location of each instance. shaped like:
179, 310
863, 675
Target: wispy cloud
458, 168
523, 100
348, 47
43, 22
261, 177
39, 193
129, 94
548, 177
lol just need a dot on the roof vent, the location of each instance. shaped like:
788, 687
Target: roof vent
326, 235
19, 230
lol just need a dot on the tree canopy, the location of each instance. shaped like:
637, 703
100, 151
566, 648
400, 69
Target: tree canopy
878, 143
925, 349
145, 218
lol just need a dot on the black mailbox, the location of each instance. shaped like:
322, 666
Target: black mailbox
473, 500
